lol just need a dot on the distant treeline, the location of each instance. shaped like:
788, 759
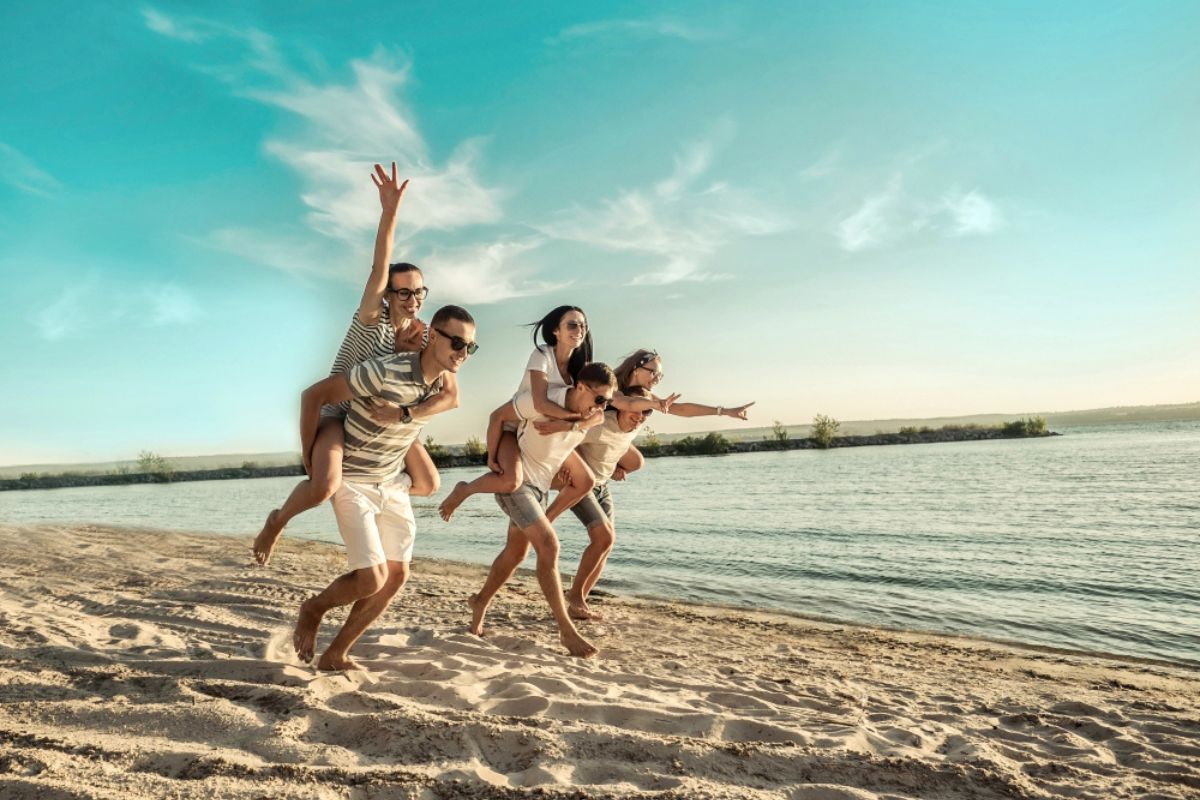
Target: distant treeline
153, 468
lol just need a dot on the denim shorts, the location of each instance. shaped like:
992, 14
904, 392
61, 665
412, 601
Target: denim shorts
595, 508
525, 506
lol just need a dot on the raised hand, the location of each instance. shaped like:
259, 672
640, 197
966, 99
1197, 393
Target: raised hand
391, 190
738, 412
664, 404
618, 473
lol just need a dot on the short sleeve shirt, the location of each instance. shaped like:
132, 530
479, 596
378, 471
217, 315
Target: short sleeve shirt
603, 446
540, 360
374, 452
542, 455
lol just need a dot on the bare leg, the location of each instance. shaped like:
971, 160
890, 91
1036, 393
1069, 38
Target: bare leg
345, 589
545, 543
489, 482
325, 479
591, 564
502, 570
421, 469
582, 481
364, 612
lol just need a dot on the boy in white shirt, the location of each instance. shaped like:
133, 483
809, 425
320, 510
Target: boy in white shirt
542, 456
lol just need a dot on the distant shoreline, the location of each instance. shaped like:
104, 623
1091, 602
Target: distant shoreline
710, 445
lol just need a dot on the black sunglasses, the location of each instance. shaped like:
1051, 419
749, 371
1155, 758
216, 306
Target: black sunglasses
575, 325
407, 294
459, 343
601, 399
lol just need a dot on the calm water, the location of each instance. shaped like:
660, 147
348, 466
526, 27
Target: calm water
1085, 541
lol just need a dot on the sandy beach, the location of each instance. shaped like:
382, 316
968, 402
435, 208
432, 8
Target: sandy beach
145, 664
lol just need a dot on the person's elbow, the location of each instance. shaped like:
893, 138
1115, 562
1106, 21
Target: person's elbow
633, 462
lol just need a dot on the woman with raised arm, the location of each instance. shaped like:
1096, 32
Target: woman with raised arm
385, 323
608, 452
554, 364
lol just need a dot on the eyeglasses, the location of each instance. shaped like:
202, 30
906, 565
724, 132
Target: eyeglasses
459, 343
408, 294
575, 325
654, 373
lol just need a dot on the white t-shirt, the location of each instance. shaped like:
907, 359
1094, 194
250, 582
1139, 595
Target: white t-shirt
542, 455
603, 446
540, 360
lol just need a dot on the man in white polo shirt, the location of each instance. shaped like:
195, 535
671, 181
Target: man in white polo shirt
542, 456
374, 514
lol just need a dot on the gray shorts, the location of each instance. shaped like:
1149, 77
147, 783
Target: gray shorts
525, 506
596, 507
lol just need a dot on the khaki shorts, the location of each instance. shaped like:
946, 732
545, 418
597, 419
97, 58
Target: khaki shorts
595, 507
376, 521
525, 506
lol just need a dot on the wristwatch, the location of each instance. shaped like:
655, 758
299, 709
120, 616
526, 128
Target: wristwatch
405, 415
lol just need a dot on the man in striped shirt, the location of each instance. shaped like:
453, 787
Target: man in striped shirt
372, 507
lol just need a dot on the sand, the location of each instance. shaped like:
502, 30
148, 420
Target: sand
144, 664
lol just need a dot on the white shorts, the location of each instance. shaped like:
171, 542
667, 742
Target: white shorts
376, 521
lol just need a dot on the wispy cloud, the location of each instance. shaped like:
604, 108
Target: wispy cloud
18, 170
94, 304
631, 29
679, 222
486, 273
346, 127
168, 304
971, 213
892, 215
823, 167
874, 221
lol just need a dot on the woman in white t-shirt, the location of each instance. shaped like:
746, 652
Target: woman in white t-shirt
555, 364
385, 323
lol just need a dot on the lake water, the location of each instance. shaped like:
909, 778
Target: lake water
1086, 541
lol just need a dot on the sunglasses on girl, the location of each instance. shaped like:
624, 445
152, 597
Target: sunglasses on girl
575, 325
459, 343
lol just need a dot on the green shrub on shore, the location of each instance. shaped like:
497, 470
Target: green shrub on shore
151, 463
709, 445
824, 429
649, 443
474, 447
780, 438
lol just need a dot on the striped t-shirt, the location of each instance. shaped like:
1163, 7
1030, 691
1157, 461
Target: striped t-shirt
375, 451
363, 342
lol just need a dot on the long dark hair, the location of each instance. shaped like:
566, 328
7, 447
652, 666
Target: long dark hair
546, 326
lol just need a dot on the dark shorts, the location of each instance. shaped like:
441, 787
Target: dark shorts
595, 508
525, 506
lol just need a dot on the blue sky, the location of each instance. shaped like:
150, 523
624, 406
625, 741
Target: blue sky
867, 210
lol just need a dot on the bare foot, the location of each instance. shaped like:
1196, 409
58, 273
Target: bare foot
304, 638
264, 543
453, 500
478, 611
578, 646
583, 611
330, 663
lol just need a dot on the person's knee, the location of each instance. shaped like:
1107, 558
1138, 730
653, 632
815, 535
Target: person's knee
603, 535
371, 579
546, 546
326, 484
397, 576
509, 482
